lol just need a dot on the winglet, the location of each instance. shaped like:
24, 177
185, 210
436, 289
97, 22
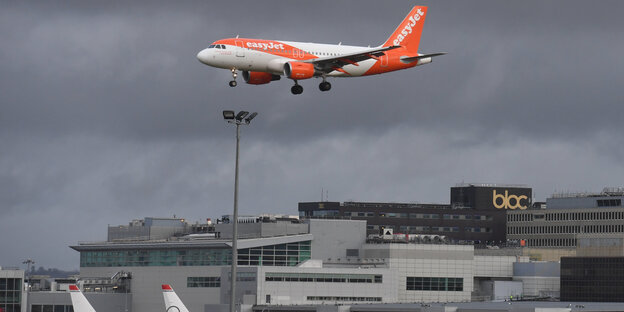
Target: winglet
73, 288
167, 287
408, 32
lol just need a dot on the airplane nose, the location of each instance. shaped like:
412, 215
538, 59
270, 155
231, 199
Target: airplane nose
204, 56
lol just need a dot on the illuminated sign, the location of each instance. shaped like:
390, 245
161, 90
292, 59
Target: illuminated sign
507, 201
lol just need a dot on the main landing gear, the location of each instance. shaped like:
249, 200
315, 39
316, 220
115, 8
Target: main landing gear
234, 75
324, 86
296, 89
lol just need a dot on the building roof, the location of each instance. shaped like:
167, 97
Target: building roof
191, 244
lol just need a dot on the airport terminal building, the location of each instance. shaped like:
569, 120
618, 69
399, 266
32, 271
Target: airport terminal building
282, 262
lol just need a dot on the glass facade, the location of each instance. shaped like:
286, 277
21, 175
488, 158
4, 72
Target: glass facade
435, 283
10, 294
274, 255
51, 308
592, 279
334, 298
203, 281
323, 278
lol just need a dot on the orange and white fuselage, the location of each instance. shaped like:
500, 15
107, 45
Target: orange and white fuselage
263, 61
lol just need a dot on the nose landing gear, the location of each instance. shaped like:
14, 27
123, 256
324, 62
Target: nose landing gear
234, 75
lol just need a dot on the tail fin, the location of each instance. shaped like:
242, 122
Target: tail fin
79, 301
172, 301
408, 32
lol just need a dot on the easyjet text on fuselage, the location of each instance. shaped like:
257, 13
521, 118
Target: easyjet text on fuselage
265, 46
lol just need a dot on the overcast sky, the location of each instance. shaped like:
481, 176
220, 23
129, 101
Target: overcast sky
106, 115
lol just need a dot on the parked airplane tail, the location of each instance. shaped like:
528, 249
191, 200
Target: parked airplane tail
408, 32
172, 301
79, 301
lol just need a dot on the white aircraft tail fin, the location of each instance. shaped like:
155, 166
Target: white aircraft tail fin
172, 301
79, 301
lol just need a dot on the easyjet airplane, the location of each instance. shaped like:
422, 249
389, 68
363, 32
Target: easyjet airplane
263, 61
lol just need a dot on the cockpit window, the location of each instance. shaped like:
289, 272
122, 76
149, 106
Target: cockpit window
211, 46
223, 46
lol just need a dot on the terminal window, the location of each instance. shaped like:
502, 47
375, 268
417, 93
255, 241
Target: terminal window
609, 202
435, 283
10, 294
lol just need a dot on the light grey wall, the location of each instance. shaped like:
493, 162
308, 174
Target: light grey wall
576, 202
333, 237
99, 301
146, 285
266, 229
537, 269
245, 290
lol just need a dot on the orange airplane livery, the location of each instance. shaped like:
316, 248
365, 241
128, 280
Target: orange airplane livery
262, 61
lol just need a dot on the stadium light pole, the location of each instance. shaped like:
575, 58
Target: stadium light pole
238, 119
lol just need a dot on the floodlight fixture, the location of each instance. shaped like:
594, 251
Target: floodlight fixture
228, 114
241, 115
250, 117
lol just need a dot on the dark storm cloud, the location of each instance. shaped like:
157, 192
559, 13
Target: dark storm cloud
107, 116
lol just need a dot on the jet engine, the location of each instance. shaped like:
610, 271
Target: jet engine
258, 78
298, 70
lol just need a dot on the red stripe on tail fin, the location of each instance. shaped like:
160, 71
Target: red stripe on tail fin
408, 32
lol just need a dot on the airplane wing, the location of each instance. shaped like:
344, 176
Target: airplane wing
329, 64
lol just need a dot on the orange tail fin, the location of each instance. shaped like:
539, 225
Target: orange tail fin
408, 32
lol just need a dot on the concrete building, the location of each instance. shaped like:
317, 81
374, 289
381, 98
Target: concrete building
476, 213
565, 217
12, 292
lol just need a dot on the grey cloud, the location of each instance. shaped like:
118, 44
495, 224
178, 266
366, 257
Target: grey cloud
106, 115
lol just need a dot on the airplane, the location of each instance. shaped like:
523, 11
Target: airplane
262, 61
79, 301
172, 301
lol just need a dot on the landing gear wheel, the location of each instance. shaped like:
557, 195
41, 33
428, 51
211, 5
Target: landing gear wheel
234, 75
296, 89
324, 86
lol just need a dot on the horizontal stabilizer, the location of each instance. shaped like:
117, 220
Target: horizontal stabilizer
409, 59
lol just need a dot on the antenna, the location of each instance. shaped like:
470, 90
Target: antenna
321, 194
236, 36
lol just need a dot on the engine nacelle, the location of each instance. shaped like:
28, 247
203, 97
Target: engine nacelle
298, 70
258, 78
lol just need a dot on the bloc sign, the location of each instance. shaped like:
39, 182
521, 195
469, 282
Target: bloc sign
506, 201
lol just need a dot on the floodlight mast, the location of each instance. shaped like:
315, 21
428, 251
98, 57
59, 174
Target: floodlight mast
236, 119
